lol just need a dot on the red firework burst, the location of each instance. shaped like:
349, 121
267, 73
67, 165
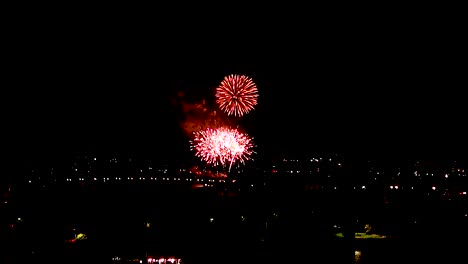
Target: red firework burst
222, 146
236, 95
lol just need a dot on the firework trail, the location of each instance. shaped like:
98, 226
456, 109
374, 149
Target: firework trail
222, 146
236, 95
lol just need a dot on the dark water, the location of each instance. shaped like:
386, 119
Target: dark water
203, 226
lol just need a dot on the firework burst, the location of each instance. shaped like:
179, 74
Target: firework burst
222, 146
236, 95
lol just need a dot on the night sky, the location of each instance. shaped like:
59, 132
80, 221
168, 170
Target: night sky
327, 83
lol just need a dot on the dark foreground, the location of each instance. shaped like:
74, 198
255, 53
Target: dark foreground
212, 226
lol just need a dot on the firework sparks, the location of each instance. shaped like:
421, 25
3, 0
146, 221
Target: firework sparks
236, 95
222, 146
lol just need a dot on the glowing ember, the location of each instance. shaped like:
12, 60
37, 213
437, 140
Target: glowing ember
236, 95
222, 146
